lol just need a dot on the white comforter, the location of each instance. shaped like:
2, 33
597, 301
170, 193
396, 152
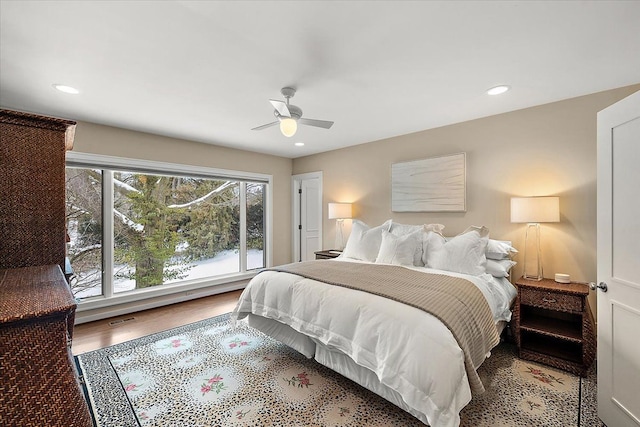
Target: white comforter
409, 350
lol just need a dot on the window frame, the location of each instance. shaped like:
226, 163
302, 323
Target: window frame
185, 288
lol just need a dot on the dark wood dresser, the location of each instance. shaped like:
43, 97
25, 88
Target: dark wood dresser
32, 194
38, 384
38, 381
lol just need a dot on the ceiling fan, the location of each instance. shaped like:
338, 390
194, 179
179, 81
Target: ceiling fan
289, 115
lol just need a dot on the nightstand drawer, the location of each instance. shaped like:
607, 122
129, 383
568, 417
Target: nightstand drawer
551, 300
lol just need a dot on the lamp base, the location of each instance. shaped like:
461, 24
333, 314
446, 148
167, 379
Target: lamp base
532, 265
339, 234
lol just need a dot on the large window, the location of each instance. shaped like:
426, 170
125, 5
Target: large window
142, 227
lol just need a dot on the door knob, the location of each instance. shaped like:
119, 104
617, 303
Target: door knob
601, 285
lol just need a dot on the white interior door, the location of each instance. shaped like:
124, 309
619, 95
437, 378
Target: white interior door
618, 263
307, 214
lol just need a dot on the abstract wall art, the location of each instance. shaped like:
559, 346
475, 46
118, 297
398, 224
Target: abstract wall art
437, 184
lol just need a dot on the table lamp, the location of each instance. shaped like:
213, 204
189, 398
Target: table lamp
339, 212
533, 211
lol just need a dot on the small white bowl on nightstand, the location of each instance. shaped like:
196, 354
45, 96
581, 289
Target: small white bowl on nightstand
562, 278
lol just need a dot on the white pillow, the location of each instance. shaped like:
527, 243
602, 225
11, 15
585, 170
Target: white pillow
483, 231
364, 242
437, 228
499, 268
399, 250
403, 230
464, 253
500, 249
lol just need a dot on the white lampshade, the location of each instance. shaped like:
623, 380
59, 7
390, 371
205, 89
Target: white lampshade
339, 210
535, 209
288, 127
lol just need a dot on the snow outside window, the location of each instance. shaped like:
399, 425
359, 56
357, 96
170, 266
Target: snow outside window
162, 230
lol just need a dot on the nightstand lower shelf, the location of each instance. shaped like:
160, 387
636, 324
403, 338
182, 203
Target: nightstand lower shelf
546, 347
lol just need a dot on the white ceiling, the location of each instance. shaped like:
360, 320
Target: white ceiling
204, 71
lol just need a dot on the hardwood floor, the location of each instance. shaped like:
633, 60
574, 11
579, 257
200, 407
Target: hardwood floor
103, 333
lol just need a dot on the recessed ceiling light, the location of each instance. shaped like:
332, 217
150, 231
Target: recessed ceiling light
299, 144
67, 89
498, 90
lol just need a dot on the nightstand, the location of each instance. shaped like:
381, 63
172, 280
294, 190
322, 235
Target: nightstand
553, 324
328, 254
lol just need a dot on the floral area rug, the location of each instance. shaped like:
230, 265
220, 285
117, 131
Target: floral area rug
523, 393
211, 374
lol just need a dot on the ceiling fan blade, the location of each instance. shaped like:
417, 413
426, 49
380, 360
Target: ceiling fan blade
317, 123
268, 125
281, 107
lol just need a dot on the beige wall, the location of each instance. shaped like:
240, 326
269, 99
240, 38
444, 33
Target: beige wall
539, 151
111, 141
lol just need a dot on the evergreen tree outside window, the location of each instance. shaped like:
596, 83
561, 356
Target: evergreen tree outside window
166, 229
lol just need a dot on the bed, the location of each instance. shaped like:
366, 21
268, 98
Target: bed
401, 352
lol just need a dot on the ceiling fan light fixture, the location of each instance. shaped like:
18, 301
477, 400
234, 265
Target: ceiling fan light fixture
288, 127
288, 115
